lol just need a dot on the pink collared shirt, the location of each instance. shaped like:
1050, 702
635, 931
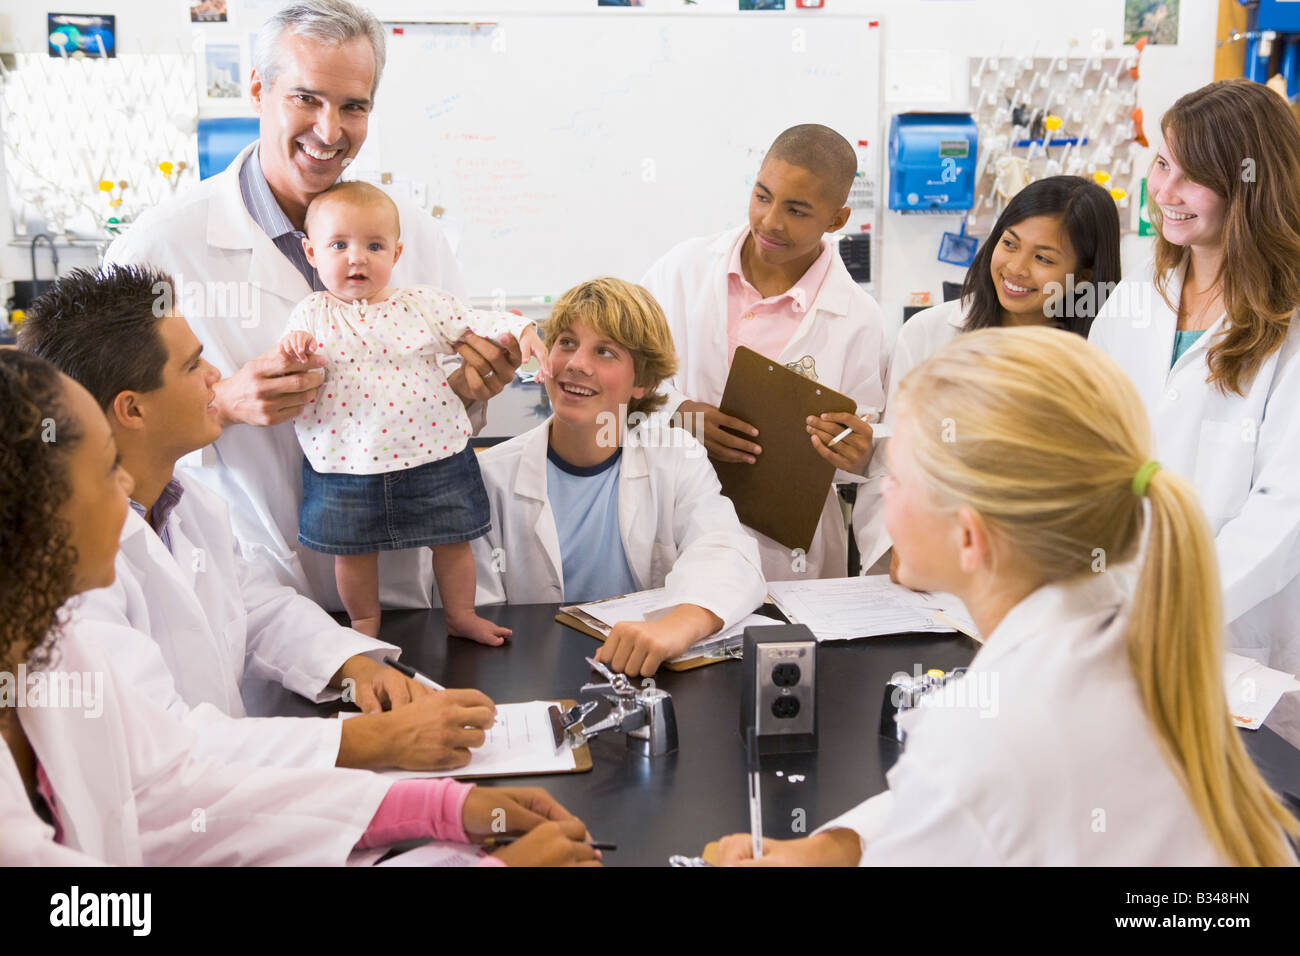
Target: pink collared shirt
767, 325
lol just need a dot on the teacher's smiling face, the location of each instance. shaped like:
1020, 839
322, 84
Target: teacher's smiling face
314, 115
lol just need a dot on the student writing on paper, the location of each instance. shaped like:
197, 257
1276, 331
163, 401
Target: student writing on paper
778, 286
190, 622
598, 501
1106, 738
236, 238
102, 774
1210, 334
1050, 259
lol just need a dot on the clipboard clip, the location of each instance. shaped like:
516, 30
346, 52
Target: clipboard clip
644, 714
577, 714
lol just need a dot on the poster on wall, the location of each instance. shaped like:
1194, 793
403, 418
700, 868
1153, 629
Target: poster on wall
81, 34
1155, 20
221, 71
207, 11
762, 4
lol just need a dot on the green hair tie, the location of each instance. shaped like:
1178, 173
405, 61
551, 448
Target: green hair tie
1143, 477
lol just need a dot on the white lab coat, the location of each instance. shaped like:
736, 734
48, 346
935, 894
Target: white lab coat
1242, 452
843, 331
920, 337
678, 530
1054, 761
206, 235
204, 633
130, 791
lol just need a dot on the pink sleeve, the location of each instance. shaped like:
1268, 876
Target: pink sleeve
421, 808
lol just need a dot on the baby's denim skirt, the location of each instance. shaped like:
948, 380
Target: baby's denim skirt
439, 502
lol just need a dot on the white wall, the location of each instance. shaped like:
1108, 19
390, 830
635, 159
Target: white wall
960, 29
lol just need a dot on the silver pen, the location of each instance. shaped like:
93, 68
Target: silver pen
865, 416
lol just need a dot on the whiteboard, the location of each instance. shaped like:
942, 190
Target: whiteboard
563, 147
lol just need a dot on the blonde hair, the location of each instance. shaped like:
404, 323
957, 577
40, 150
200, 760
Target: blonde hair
629, 315
1238, 138
1042, 434
356, 194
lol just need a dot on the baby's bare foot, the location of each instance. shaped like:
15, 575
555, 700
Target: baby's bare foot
480, 629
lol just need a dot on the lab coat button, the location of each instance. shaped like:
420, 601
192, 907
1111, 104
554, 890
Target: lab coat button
1172, 394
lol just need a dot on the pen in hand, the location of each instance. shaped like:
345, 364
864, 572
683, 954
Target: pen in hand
849, 431
413, 674
507, 840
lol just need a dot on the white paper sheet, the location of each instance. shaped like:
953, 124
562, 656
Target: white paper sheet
654, 604
1253, 689
436, 853
730, 636
521, 741
842, 609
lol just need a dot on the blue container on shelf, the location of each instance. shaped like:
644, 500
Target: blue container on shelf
932, 162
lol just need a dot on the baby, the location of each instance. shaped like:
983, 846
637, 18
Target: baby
386, 439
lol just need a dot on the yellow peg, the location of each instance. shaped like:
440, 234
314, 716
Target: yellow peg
165, 167
1102, 177
1052, 122
106, 185
1117, 194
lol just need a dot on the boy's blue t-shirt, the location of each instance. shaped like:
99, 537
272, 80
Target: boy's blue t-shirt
585, 504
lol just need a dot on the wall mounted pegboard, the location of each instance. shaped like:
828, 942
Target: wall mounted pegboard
1042, 116
91, 143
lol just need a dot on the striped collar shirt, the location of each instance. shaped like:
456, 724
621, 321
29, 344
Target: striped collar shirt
162, 510
270, 218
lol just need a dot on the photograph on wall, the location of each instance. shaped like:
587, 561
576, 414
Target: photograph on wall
619, 3
207, 11
221, 71
762, 4
81, 34
1156, 20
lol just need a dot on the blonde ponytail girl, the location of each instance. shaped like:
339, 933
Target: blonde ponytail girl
1046, 438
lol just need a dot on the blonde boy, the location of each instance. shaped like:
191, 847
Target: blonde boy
584, 507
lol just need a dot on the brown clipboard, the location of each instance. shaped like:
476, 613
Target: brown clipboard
581, 758
573, 616
782, 495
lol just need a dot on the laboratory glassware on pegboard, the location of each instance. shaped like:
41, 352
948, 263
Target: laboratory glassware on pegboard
1074, 114
90, 143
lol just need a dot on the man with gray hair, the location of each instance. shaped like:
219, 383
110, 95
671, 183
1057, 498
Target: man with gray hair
233, 245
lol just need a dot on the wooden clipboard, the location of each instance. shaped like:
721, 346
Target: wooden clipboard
782, 495
581, 758
574, 617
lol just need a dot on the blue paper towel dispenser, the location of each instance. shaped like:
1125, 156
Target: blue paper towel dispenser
932, 162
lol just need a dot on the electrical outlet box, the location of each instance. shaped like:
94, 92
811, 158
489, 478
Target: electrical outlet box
779, 693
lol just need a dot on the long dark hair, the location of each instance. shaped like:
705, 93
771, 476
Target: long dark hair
1091, 221
38, 560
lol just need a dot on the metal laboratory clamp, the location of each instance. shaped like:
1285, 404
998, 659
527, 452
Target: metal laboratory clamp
645, 714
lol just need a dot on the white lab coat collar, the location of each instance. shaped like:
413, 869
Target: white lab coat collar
957, 318
231, 226
530, 483
832, 298
1165, 321
1083, 596
142, 546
